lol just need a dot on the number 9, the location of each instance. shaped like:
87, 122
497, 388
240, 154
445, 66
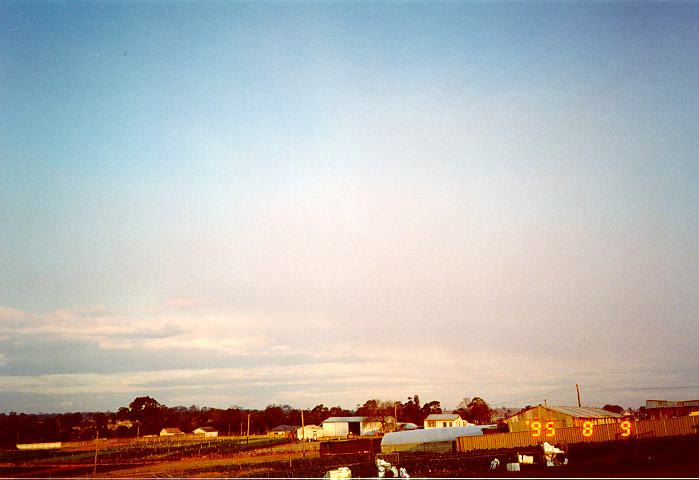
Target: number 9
626, 427
550, 431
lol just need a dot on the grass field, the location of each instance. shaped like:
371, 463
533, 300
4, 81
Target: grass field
267, 456
183, 456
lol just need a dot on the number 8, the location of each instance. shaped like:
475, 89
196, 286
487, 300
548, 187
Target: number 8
536, 427
587, 429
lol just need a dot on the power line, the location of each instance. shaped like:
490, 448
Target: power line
678, 387
536, 395
594, 388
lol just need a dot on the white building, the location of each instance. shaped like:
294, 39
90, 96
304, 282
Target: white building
310, 432
443, 420
351, 426
206, 431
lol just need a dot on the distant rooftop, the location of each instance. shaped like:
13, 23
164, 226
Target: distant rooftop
443, 416
582, 412
207, 429
344, 419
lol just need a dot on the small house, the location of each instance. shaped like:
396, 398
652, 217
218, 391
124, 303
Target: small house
282, 430
171, 432
443, 420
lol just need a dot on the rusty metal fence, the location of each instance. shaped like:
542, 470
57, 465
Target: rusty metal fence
586, 434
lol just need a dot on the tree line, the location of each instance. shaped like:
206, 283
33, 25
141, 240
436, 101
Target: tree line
146, 416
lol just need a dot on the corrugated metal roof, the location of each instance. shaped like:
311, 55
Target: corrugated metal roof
443, 416
171, 430
284, 428
430, 435
344, 419
207, 429
582, 412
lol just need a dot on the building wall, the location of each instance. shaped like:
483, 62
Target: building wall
445, 423
522, 421
311, 433
369, 427
435, 447
338, 429
600, 433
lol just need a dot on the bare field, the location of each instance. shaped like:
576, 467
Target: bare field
183, 457
249, 463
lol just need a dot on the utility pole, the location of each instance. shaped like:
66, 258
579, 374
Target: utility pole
97, 436
303, 436
395, 416
247, 437
577, 387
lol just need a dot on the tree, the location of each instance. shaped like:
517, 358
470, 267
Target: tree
317, 415
411, 410
478, 411
147, 413
429, 408
379, 411
614, 408
274, 416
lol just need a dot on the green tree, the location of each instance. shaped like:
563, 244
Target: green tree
429, 408
411, 410
614, 408
148, 414
478, 411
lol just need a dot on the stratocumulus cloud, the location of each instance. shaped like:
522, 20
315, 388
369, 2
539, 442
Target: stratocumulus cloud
331, 202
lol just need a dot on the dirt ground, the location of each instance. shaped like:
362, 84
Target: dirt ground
241, 464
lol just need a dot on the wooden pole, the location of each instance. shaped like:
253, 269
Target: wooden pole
247, 437
97, 436
303, 436
577, 388
395, 416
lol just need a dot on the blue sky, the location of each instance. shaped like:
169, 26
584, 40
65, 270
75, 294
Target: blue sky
221, 203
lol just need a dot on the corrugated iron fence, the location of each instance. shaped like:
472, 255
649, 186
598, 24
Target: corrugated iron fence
591, 434
359, 445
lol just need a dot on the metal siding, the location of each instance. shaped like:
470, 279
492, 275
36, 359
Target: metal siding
435, 447
607, 432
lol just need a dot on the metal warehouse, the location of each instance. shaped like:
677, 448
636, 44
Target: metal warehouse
562, 417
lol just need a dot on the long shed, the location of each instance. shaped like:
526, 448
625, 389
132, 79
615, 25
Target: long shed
351, 426
562, 417
428, 440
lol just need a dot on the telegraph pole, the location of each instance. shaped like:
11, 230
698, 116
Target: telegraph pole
247, 437
577, 388
97, 436
303, 436
395, 416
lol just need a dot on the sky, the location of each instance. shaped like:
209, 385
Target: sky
253, 203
